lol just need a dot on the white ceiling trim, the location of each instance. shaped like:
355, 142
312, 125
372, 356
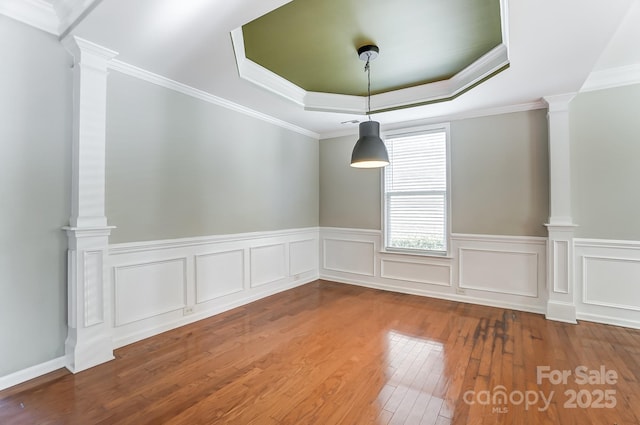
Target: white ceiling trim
248, 70
133, 71
36, 13
612, 77
261, 76
70, 11
54, 16
478, 113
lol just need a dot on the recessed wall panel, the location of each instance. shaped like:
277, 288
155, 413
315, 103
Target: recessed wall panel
303, 256
514, 273
219, 274
267, 264
612, 282
93, 288
561, 259
433, 274
150, 289
349, 256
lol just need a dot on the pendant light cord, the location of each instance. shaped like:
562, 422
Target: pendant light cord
367, 69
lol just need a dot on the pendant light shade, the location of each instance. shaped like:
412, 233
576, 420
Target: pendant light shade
369, 151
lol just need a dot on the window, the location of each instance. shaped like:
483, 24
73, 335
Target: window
415, 187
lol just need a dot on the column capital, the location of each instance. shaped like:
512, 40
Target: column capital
559, 102
82, 49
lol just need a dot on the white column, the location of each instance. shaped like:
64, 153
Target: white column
89, 307
560, 286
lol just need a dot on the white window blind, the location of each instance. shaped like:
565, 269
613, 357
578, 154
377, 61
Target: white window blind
415, 192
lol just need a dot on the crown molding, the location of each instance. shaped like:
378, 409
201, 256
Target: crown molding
476, 113
56, 17
489, 64
262, 77
612, 77
133, 71
70, 12
36, 13
504, 21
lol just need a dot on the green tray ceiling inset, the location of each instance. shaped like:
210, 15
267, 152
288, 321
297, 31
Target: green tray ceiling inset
312, 43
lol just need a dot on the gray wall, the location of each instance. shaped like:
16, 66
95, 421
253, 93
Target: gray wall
605, 166
35, 187
500, 174
499, 178
349, 197
181, 167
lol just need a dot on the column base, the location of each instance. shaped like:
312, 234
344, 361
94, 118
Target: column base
89, 341
91, 352
561, 312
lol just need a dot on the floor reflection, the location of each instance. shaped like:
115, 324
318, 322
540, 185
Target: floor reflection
415, 386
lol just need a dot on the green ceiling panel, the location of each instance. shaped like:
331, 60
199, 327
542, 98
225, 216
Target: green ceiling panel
313, 43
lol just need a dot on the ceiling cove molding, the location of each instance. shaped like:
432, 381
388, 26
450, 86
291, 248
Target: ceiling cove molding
488, 64
492, 62
477, 113
612, 77
70, 12
262, 77
504, 21
133, 71
56, 17
36, 13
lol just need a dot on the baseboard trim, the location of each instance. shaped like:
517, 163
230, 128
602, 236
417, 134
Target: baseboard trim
607, 320
32, 372
438, 295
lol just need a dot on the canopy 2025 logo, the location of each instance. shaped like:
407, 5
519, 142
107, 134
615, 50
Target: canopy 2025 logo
599, 398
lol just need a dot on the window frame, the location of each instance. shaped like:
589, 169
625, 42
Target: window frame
409, 131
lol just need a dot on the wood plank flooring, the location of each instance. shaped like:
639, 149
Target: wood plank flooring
328, 353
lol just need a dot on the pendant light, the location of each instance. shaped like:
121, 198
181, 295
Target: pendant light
369, 151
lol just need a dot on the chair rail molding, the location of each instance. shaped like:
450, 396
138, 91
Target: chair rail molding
89, 341
561, 304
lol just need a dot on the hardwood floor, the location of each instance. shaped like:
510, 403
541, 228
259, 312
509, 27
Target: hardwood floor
328, 353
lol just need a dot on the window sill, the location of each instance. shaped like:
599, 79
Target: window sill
433, 254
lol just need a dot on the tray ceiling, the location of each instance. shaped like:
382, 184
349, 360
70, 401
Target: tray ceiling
313, 44
431, 51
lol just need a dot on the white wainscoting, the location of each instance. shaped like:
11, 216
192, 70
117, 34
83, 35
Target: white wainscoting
501, 271
303, 256
219, 274
149, 289
608, 281
508, 270
414, 270
349, 256
161, 285
268, 264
